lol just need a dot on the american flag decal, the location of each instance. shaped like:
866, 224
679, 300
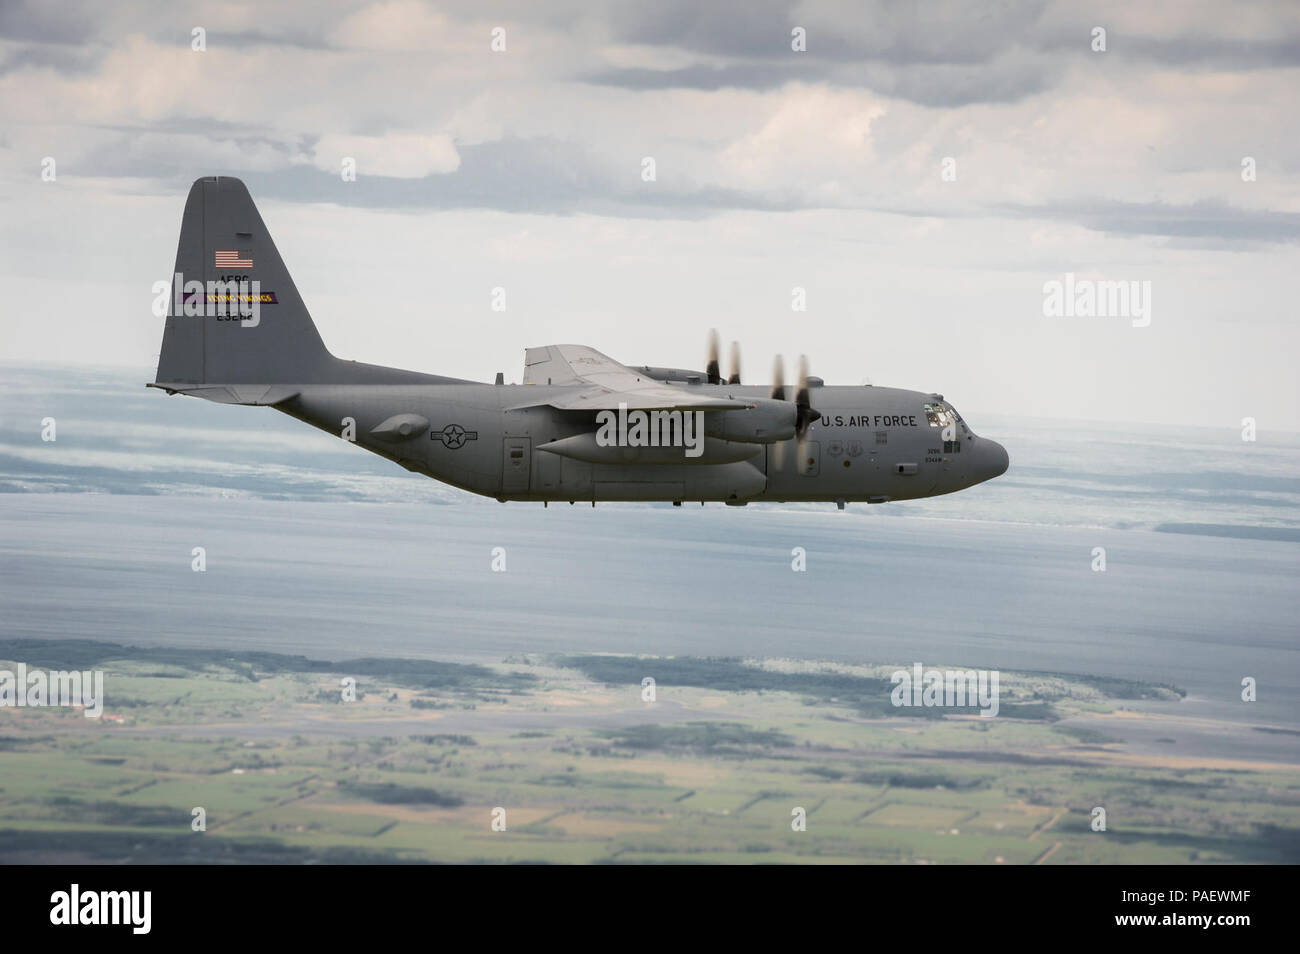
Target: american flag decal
240, 259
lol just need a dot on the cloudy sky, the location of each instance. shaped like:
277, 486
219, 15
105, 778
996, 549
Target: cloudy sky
774, 169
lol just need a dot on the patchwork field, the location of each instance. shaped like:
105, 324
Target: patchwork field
714, 770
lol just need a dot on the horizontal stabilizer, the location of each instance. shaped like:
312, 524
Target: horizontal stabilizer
254, 394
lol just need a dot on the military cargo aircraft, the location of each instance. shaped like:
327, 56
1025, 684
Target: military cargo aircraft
580, 427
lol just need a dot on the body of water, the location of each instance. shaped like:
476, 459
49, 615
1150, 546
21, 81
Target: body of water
316, 547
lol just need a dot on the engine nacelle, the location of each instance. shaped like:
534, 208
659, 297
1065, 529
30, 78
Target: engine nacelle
767, 422
586, 447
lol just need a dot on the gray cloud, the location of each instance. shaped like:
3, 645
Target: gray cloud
898, 49
63, 58
941, 85
1280, 48
1219, 224
518, 175
539, 176
758, 76
34, 22
545, 175
830, 161
931, 54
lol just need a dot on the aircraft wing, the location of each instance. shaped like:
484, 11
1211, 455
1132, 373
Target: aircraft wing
600, 383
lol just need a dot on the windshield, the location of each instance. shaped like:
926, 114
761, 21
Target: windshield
941, 414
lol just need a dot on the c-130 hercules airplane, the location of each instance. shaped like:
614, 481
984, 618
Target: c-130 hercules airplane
580, 427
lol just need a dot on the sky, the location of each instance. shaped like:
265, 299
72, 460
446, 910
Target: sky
917, 174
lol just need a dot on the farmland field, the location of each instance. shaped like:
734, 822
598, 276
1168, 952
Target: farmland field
715, 769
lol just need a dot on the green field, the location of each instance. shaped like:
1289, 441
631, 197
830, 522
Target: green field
586, 771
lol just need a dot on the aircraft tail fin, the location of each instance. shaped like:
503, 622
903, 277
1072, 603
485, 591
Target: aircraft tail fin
210, 349
224, 249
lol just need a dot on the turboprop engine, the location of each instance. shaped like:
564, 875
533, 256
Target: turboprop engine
765, 422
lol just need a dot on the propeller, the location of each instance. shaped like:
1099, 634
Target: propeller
713, 370
735, 363
805, 413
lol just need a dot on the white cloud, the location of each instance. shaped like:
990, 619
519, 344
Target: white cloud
411, 91
400, 155
395, 25
816, 140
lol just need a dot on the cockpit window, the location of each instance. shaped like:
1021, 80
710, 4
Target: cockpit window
943, 415
940, 415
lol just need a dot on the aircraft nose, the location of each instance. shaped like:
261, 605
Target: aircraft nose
993, 461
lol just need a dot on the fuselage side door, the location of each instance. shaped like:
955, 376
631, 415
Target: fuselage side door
516, 459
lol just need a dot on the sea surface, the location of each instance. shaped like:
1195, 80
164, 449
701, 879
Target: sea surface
116, 436
316, 547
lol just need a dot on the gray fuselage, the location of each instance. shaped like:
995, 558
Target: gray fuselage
869, 444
